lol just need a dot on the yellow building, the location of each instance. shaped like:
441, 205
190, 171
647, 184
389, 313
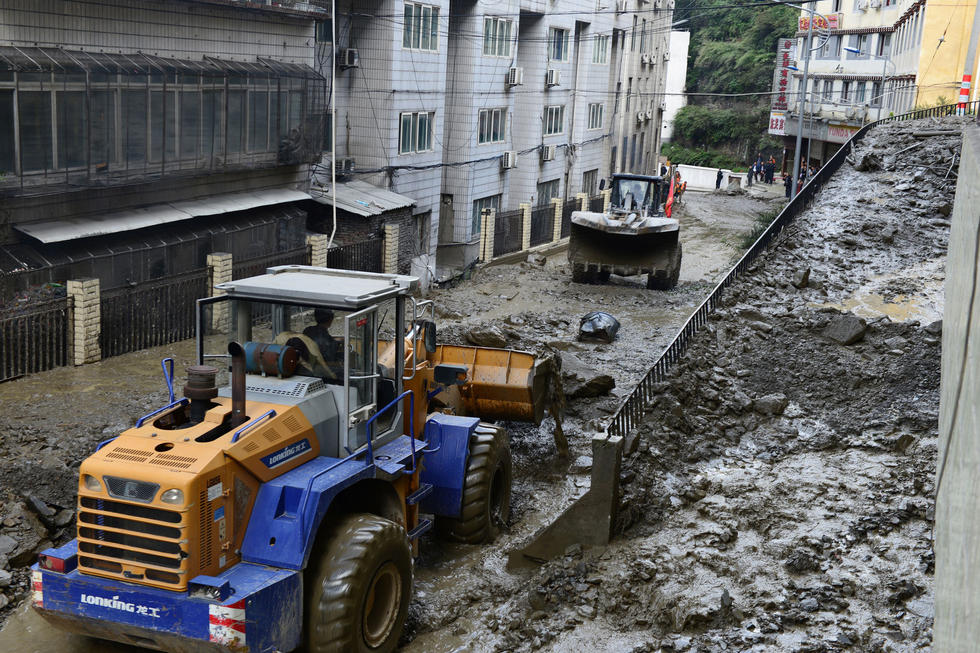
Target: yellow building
942, 51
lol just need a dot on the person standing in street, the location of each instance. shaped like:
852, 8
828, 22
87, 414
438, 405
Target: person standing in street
788, 183
718, 179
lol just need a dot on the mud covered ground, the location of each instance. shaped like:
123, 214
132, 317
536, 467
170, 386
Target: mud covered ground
779, 495
53, 420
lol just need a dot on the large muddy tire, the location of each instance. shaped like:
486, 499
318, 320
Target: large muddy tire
359, 587
581, 274
666, 279
486, 489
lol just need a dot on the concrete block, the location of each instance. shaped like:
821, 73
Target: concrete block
583, 201
556, 204
391, 248
488, 225
318, 249
525, 225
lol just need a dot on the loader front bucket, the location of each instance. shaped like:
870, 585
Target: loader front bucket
622, 253
503, 384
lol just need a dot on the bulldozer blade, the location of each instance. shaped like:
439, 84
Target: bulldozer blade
623, 254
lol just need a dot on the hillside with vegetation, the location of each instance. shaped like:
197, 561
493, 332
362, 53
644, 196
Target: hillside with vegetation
732, 51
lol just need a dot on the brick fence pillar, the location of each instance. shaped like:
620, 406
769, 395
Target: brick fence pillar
606, 199
583, 201
556, 204
219, 271
488, 224
525, 225
391, 249
86, 322
318, 249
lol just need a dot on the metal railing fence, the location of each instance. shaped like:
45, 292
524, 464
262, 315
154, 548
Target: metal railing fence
566, 216
542, 224
508, 232
632, 409
365, 256
35, 339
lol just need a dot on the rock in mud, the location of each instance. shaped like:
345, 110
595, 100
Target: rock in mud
486, 337
7, 544
869, 163
801, 279
935, 328
773, 404
5, 578
846, 329
536, 259
580, 380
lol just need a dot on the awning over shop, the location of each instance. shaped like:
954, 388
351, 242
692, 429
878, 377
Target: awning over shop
361, 198
54, 231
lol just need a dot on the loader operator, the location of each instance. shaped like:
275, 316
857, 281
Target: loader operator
320, 353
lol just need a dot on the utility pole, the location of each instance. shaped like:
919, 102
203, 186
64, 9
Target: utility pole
971, 55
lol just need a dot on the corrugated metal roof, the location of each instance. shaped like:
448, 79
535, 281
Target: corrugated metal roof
361, 198
54, 231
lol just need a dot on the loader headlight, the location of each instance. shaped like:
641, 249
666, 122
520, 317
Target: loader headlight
172, 495
92, 484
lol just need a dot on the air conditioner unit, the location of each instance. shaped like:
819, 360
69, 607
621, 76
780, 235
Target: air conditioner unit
875, 4
649, 115
644, 59
344, 166
862, 5
553, 78
349, 58
663, 106
515, 77
641, 116
666, 55
548, 152
509, 160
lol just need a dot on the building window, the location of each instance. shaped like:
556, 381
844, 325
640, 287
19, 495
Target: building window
595, 116
421, 28
554, 122
492, 202
828, 90
493, 124
859, 42
590, 181
496, 36
558, 40
859, 92
876, 94
845, 91
600, 49
415, 132
633, 35
547, 191
837, 6
831, 49
884, 44
324, 31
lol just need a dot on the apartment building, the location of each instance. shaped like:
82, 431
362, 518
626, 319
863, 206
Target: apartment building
462, 105
138, 136
869, 59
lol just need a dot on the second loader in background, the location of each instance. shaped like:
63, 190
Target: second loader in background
634, 237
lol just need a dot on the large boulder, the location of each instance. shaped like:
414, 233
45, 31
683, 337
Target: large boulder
846, 329
581, 380
486, 337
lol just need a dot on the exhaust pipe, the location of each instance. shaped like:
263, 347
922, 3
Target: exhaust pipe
200, 389
237, 384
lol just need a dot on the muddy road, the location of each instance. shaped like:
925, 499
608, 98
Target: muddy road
51, 421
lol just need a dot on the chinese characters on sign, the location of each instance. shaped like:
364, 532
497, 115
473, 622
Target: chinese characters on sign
785, 57
777, 123
820, 22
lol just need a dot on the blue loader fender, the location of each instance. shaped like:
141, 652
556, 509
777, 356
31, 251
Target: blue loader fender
444, 465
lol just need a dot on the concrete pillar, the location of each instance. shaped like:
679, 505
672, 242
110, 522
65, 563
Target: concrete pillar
488, 223
526, 225
318, 249
556, 204
606, 199
583, 201
391, 249
219, 271
86, 320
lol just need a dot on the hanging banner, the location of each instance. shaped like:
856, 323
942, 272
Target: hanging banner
832, 21
777, 123
785, 57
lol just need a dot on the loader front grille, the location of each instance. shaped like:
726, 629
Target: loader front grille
132, 542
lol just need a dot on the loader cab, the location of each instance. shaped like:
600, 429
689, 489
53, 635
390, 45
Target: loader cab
313, 334
637, 193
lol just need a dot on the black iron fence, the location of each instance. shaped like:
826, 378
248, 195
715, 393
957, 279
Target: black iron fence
631, 411
566, 216
151, 314
596, 203
365, 256
255, 266
542, 225
35, 339
508, 232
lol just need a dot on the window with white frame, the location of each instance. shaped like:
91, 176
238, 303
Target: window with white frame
876, 94
884, 44
554, 120
492, 202
547, 191
828, 90
595, 116
493, 125
859, 92
845, 91
558, 44
324, 31
421, 27
415, 132
496, 36
600, 49
590, 179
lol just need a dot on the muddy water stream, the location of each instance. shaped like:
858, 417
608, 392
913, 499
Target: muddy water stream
52, 420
